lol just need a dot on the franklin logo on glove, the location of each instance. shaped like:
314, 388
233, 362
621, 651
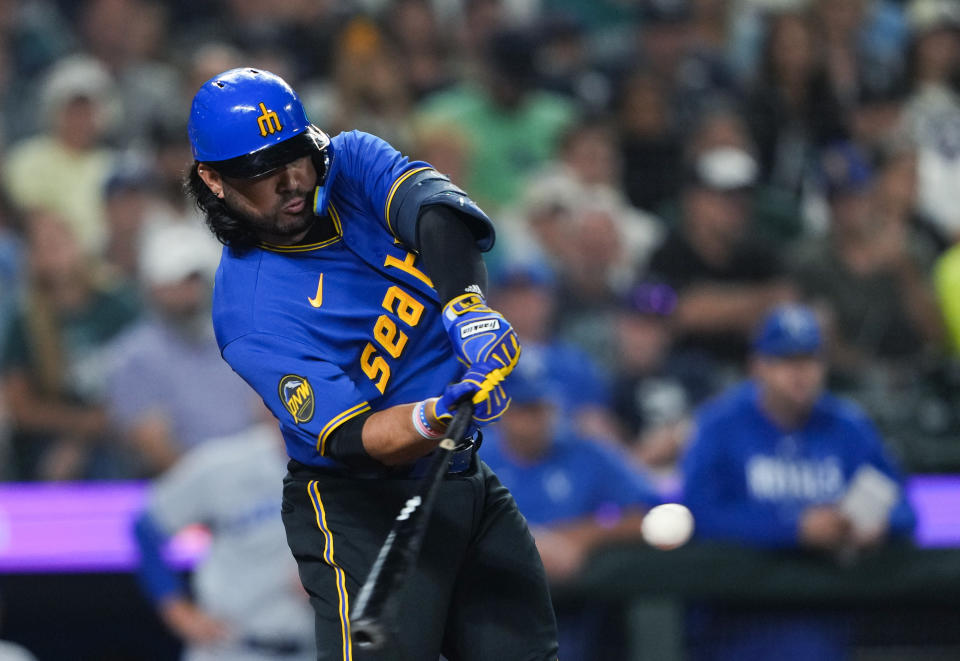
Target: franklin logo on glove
479, 327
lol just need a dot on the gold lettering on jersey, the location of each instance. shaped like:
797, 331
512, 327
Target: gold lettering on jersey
317, 300
386, 333
406, 306
406, 265
268, 121
375, 367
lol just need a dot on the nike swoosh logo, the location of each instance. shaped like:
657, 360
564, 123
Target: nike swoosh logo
317, 300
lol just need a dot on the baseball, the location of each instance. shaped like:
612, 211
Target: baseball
667, 526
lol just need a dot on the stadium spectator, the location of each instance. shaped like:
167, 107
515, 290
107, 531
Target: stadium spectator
608, 243
882, 313
539, 226
126, 37
473, 26
513, 126
588, 168
577, 495
417, 33
169, 155
33, 36
527, 292
208, 58
127, 195
895, 199
246, 603
932, 111
650, 147
839, 31
371, 90
773, 464
790, 108
56, 359
568, 65
169, 389
725, 275
63, 169
443, 144
682, 58
588, 151
655, 386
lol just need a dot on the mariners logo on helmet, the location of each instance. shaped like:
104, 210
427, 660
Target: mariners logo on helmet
268, 121
297, 396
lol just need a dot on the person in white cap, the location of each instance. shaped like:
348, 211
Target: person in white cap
169, 389
63, 168
725, 276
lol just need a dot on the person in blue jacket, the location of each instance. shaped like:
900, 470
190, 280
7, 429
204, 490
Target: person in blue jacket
769, 465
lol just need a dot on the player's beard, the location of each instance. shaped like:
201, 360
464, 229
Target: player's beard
276, 226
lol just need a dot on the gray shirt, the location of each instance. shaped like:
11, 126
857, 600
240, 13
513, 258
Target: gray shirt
249, 578
159, 370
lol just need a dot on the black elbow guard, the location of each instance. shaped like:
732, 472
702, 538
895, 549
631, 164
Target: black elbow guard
429, 187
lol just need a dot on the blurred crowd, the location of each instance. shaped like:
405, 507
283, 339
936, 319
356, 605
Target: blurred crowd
661, 172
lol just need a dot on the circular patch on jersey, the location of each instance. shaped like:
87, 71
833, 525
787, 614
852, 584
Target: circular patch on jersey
297, 396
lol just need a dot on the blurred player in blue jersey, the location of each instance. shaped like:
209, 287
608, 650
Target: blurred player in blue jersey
350, 295
774, 463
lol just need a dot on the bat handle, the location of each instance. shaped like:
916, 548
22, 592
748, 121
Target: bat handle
458, 426
372, 614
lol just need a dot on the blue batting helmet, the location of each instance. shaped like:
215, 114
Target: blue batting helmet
246, 122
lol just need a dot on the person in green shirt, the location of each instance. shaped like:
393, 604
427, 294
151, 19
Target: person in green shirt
511, 126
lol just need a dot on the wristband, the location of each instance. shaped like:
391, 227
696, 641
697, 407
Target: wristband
421, 424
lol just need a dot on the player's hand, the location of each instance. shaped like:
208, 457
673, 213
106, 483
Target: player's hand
478, 333
562, 555
190, 623
481, 383
824, 527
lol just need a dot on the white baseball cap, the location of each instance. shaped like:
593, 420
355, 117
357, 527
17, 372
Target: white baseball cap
725, 169
172, 252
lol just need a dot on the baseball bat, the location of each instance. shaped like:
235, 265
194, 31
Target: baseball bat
375, 608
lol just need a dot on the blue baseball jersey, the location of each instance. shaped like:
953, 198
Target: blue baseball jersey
746, 479
327, 331
576, 478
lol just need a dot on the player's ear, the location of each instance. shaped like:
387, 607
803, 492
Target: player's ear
211, 178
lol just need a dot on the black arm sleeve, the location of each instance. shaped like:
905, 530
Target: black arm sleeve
449, 251
345, 444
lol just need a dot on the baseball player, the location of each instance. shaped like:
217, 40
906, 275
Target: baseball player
247, 604
350, 295
773, 463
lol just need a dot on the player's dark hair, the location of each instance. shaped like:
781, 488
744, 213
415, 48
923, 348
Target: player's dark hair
229, 229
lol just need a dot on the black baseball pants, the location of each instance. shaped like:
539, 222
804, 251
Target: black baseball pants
478, 592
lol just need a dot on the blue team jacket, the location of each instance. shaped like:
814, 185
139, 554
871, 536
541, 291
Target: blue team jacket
747, 480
